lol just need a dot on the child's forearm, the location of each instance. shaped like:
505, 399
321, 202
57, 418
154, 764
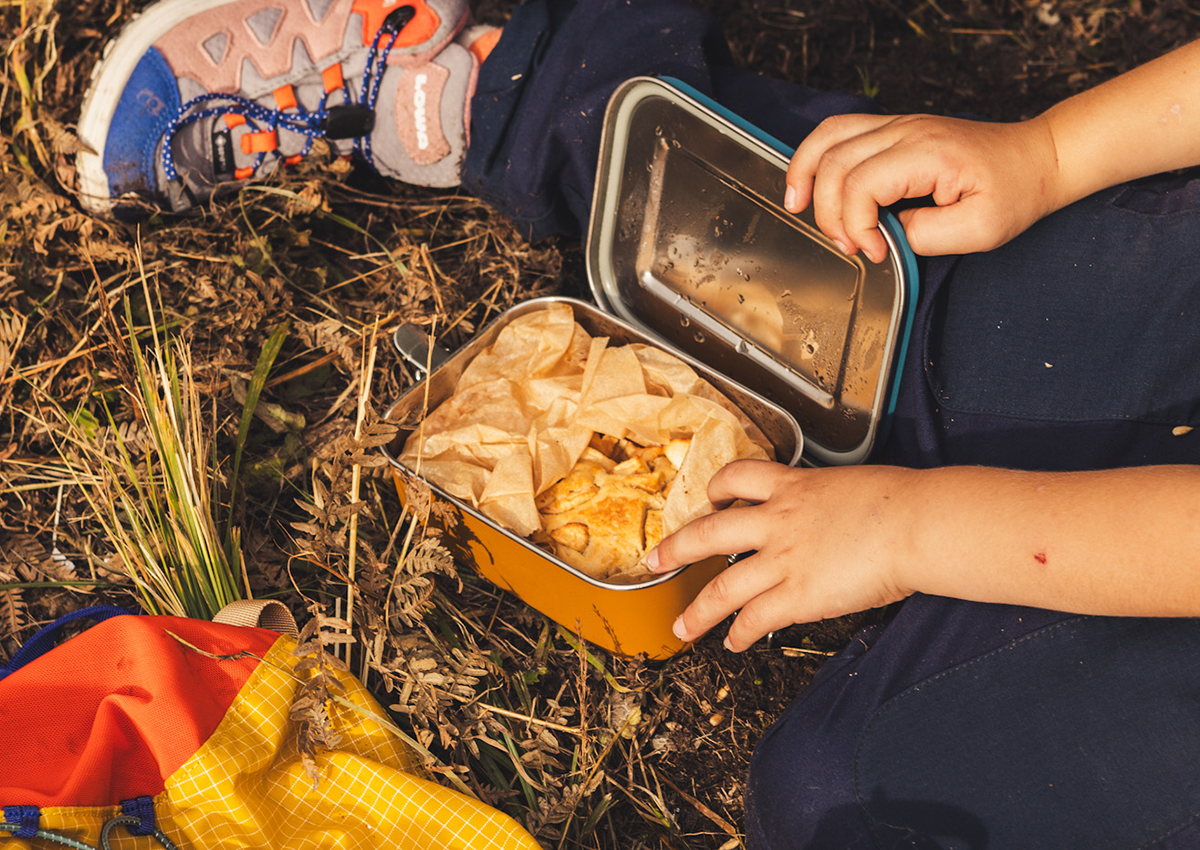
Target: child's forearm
828, 542
1118, 542
1144, 122
991, 181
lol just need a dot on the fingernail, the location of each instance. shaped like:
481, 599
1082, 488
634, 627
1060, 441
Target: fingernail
842, 246
728, 645
789, 199
677, 628
652, 560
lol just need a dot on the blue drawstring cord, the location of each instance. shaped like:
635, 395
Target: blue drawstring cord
311, 125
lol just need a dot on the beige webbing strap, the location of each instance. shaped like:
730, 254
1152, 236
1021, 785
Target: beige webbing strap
259, 613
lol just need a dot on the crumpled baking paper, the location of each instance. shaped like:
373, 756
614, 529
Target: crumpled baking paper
526, 407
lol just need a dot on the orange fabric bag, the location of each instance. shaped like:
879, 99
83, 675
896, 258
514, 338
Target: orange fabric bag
180, 729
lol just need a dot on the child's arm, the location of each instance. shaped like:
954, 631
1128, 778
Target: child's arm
829, 542
991, 181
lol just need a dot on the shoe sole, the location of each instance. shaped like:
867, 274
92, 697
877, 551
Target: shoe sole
108, 81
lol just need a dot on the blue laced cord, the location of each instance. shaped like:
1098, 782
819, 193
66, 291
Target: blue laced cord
362, 144
311, 125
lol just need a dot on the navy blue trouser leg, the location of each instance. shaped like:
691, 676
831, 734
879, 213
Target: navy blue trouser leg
1076, 346
983, 726
538, 109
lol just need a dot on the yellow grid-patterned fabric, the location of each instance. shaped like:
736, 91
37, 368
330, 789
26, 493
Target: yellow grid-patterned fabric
246, 787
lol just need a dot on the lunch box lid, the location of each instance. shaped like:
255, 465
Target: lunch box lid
689, 241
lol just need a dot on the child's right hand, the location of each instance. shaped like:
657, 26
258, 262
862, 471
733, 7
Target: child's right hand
989, 181
825, 543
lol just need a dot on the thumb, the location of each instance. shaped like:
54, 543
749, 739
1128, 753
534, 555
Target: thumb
963, 227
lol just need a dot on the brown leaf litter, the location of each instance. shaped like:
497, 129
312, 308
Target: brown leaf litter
585, 749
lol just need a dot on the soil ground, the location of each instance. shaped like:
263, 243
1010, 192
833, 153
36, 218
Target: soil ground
641, 755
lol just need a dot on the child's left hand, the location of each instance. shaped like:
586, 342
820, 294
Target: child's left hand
988, 181
825, 543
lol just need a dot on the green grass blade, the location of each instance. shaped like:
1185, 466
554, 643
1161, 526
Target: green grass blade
266, 359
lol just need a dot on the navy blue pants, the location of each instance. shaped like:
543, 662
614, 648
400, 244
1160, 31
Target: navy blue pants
1076, 346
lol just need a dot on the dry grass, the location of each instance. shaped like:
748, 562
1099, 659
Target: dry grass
586, 750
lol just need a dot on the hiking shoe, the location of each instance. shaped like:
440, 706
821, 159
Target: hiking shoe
196, 97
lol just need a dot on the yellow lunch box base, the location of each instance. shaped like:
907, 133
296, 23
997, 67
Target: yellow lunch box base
624, 619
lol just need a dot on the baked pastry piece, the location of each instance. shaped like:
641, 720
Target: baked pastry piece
606, 513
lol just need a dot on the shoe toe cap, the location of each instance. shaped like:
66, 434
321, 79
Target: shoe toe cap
136, 121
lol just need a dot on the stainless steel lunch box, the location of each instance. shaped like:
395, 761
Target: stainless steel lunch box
690, 249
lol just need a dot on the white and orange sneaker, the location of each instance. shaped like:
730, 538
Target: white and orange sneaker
195, 97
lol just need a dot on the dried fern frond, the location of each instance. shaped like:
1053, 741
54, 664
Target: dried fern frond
412, 586
310, 704
13, 615
12, 333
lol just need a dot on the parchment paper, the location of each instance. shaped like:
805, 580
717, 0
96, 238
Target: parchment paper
526, 407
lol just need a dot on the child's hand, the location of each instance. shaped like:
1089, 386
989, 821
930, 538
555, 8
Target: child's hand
825, 542
989, 181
